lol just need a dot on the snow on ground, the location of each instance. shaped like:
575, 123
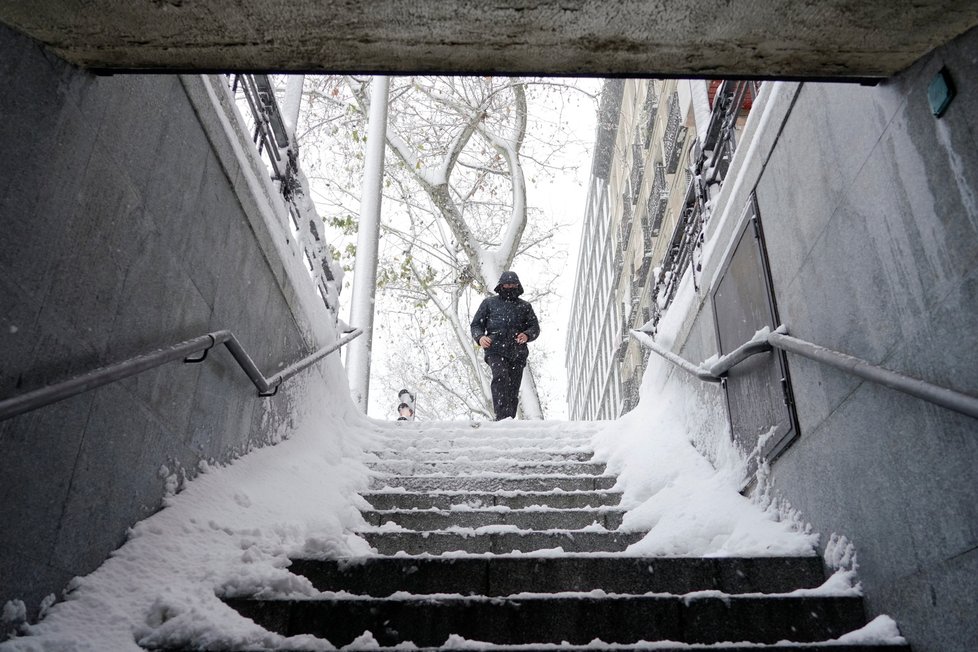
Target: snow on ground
688, 506
229, 531
232, 529
671, 490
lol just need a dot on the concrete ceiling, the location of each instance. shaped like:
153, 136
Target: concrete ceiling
791, 38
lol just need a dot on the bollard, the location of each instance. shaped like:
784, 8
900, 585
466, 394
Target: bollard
405, 410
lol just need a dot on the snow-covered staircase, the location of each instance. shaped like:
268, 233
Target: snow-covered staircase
493, 490
508, 535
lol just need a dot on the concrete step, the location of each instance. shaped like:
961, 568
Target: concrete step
492, 429
497, 540
467, 467
576, 619
476, 453
503, 576
469, 646
488, 434
500, 443
539, 519
494, 483
512, 499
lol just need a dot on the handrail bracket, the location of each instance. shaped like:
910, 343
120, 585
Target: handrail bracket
271, 393
203, 354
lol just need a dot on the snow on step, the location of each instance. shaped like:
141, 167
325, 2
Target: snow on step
504, 575
460, 644
494, 429
495, 482
501, 539
539, 518
507, 465
403, 499
577, 618
508, 535
457, 643
487, 434
498, 443
478, 453
490, 431
486, 514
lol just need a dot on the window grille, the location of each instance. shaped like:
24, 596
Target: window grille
658, 198
675, 135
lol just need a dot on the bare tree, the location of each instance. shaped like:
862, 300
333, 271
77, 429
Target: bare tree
461, 142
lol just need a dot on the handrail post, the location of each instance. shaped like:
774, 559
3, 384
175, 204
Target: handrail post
247, 364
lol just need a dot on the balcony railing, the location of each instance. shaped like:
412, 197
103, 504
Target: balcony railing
634, 311
685, 238
638, 169
732, 99
254, 96
658, 198
269, 133
675, 135
643, 270
629, 393
651, 110
625, 226
710, 167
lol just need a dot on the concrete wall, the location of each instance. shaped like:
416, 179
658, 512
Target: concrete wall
128, 223
873, 247
844, 38
869, 208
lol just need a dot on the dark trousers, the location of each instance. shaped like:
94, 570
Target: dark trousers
506, 377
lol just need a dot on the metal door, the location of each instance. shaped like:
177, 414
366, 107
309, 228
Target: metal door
759, 404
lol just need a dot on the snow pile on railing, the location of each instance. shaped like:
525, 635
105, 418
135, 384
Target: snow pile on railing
670, 489
688, 505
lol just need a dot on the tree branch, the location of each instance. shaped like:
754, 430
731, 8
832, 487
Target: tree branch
461, 333
510, 151
472, 407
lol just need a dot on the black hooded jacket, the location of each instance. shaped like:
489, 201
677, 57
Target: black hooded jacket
502, 318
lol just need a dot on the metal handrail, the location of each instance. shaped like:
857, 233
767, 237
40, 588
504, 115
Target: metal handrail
696, 370
948, 398
764, 341
44, 396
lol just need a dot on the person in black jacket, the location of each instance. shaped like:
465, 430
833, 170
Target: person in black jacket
502, 326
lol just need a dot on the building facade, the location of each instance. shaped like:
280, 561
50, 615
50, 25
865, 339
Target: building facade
593, 381
662, 149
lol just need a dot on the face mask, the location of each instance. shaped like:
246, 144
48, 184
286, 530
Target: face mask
509, 293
